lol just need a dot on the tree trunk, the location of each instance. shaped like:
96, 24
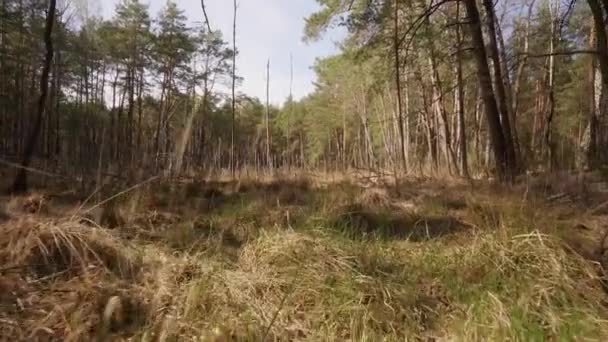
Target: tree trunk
504, 166
600, 15
160, 118
268, 156
599, 19
508, 93
478, 124
130, 112
20, 183
499, 81
291, 103
464, 164
4, 121
140, 92
519, 74
233, 123
549, 143
398, 83
180, 148
438, 117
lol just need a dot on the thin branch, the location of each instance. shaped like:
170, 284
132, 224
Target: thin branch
420, 20
31, 169
121, 193
281, 304
559, 53
567, 14
205, 14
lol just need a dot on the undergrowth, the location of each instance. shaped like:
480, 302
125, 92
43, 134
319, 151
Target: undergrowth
293, 260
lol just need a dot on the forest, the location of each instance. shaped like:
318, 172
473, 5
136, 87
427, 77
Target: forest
445, 179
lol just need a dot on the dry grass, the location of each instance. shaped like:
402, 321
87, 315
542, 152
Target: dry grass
67, 281
293, 259
295, 287
34, 203
55, 277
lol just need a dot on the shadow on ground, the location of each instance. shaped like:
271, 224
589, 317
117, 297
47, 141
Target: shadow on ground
358, 222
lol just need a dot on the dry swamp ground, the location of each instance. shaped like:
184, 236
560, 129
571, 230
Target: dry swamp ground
306, 259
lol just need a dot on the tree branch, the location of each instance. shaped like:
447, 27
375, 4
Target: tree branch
559, 53
205, 14
350, 7
420, 20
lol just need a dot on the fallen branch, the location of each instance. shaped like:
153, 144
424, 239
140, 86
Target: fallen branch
121, 193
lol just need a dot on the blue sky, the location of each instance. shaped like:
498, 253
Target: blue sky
265, 29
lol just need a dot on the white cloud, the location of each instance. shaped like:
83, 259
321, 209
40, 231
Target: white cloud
265, 29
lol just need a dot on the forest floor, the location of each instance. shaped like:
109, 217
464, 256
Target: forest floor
305, 259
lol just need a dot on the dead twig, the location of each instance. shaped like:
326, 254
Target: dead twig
596, 209
32, 170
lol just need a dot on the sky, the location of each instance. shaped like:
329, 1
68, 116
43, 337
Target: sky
265, 29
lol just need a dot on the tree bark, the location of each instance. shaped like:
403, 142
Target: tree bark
599, 19
4, 121
600, 15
